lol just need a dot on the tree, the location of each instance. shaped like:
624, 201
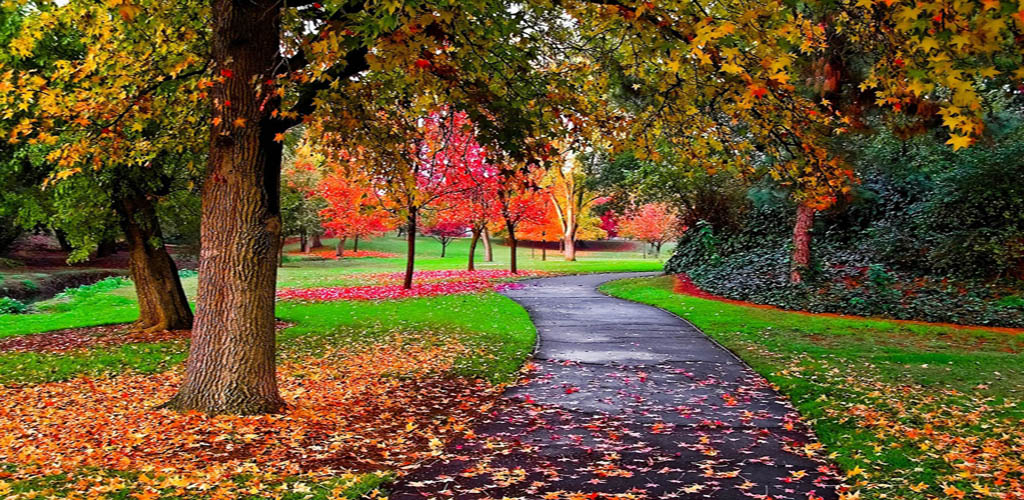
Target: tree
352, 210
545, 230
572, 199
113, 147
653, 223
520, 201
444, 230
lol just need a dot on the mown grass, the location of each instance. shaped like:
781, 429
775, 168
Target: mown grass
856, 380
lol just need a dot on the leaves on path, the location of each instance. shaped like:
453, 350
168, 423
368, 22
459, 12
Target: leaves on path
676, 430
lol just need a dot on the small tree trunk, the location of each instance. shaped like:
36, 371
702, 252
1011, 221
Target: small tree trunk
410, 254
472, 249
657, 249
316, 241
488, 249
162, 301
801, 242
544, 251
339, 251
355, 244
230, 367
570, 244
280, 253
512, 245
303, 242
444, 246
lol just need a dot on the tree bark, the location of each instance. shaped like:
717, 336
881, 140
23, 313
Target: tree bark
355, 244
472, 249
230, 368
340, 250
544, 252
801, 242
280, 253
512, 244
570, 243
316, 241
162, 301
488, 249
303, 242
107, 246
62, 240
444, 247
410, 254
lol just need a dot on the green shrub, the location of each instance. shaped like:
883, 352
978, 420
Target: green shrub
12, 306
104, 285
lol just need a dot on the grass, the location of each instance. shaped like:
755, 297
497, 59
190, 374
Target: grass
909, 411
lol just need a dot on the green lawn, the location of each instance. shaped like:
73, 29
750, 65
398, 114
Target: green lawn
924, 411
496, 324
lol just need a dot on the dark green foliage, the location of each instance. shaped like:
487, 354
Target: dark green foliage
12, 306
929, 234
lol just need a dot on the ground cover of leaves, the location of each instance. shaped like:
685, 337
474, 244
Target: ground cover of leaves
363, 408
388, 286
908, 411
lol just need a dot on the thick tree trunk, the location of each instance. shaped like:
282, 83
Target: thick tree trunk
316, 241
62, 240
472, 249
162, 301
339, 251
801, 242
355, 244
106, 247
230, 367
410, 254
488, 249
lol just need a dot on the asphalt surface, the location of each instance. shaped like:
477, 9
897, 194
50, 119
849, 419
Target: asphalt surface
626, 400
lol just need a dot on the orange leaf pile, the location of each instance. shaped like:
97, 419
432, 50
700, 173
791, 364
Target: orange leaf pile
353, 409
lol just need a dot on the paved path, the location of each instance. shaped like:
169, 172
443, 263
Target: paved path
627, 401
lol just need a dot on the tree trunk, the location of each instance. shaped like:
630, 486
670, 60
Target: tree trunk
410, 254
512, 244
280, 253
316, 241
230, 367
801, 242
472, 249
62, 240
340, 250
303, 242
355, 244
444, 247
108, 246
488, 249
162, 301
570, 243
657, 249
544, 252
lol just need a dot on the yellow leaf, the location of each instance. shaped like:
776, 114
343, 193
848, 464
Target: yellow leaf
959, 141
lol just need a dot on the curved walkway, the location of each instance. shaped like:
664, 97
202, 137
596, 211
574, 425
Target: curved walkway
627, 401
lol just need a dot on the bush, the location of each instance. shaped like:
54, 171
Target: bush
12, 306
104, 285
